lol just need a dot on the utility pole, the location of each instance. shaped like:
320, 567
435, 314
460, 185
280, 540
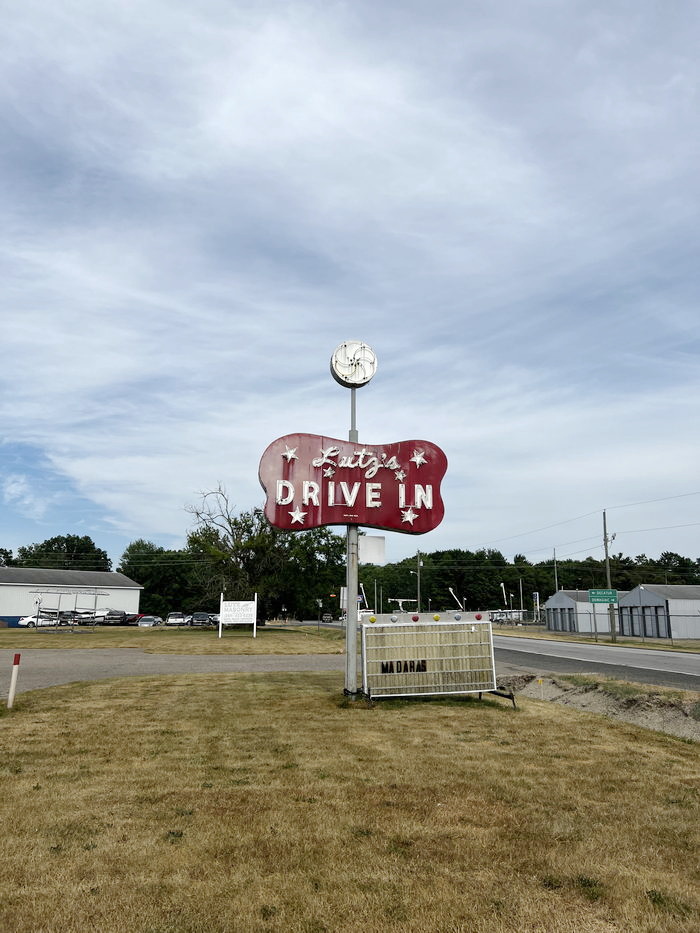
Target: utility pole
611, 611
556, 581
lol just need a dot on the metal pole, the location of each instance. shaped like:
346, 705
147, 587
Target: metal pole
418, 581
611, 611
351, 582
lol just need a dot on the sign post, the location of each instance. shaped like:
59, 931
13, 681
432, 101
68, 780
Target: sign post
312, 480
352, 365
608, 596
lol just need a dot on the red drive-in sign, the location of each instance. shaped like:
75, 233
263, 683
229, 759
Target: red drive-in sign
311, 481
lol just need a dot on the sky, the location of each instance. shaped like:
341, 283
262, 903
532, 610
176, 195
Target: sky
200, 202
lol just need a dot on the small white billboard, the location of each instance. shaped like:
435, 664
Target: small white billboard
372, 549
238, 612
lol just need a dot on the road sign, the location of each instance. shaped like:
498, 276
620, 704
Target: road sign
602, 596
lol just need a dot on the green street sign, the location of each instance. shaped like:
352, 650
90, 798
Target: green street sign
602, 596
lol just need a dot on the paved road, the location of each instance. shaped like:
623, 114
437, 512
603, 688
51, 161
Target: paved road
46, 667
663, 668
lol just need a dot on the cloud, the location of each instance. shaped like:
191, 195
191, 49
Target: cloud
200, 204
18, 493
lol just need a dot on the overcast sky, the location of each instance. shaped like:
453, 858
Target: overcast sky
201, 201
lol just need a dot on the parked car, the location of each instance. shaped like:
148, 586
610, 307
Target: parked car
109, 616
176, 618
149, 621
115, 617
200, 618
31, 621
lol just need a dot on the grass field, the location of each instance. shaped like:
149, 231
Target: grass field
308, 639
212, 803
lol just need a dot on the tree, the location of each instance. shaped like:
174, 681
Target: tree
64, 552
6, 559
166, 577
243, 554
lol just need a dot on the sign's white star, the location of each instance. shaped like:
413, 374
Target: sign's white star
329, 472
409, 516
298, 516
418, 458
290, 453
400, 475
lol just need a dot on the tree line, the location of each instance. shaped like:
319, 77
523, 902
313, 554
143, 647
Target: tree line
300, 574
485, 579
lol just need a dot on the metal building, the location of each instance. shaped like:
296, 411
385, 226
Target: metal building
24, 589
570, 611
655, 610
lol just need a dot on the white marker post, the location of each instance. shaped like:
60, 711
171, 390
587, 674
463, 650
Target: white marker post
13, 682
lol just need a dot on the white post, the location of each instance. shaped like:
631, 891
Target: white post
221, 612
255, 615
13, 682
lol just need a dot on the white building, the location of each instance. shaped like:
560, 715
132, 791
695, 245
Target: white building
62, 591
656, 610
570, 611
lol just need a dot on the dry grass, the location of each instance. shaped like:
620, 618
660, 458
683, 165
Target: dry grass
299, 640
204, 804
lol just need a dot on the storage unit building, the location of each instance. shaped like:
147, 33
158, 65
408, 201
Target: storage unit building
661, 611
62, 591
570, 611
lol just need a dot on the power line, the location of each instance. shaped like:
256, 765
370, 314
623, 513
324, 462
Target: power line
524, 534
637, 531
629, 505
566, 521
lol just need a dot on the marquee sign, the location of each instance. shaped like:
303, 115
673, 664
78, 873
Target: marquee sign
427, 659
310, 480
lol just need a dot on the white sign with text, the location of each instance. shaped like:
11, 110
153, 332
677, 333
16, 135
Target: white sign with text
238, 612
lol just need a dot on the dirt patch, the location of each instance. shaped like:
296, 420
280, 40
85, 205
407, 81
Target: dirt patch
671, 711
